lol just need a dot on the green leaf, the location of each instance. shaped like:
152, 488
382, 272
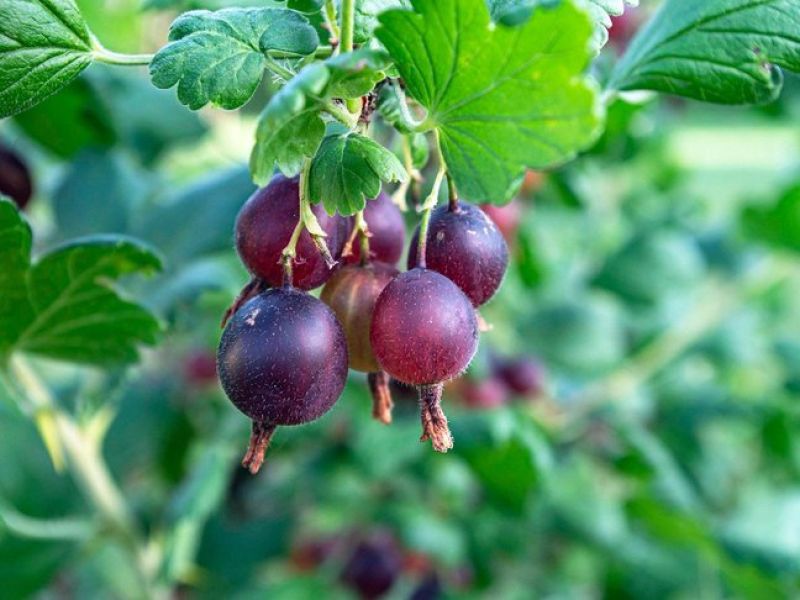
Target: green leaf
220, 56
72, 119
393, 107
348, 169
64, 305
354, 74
44, 44
290, 128
502, 98
723, 51
777, 225
366, 16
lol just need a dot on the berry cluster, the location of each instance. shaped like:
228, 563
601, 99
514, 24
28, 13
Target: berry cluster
284, 355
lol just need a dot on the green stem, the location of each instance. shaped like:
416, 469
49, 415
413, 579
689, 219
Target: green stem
430, 202
452, 193
363, 236
104, 55
344, 116
331, 20
348, 31
90, 472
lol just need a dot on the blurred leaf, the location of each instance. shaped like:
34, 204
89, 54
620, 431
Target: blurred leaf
45, 45
66, 307
77, 117
354, 74
198, 219
348, 170
777, 225
220, 57
725, 51
366, 16
98, 192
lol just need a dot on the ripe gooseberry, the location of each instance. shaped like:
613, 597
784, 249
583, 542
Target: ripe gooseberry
265, 225
524, 375
282, 360
373, 567
351, 293
424, 332
15, 178
465, 246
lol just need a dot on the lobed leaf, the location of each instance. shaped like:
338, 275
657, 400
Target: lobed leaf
348, 169
64, 306
44, 45
220, 56
724, 51
502, 98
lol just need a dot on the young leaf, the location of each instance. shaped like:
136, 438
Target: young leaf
290, 128
220, 56
367, 13
721, 51
502, 98
44, 44
64, 306
348, 169
354, 74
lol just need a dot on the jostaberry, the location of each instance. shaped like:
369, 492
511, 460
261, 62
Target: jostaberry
282, 360
351, 293
265, 225
424, 332
465, 246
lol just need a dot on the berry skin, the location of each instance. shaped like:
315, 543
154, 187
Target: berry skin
373, 568
465, 246
282, 360
264, 226
15, 178
351, 293
424, 332
387, 230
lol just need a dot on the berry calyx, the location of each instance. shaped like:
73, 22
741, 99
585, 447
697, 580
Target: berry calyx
387, 231
464, 245
265, 225
282, 360
351, 293
424, 332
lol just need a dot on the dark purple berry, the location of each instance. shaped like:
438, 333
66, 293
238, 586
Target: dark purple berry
351, 293
465, 246
373, 568
430, 588
282, 360
200, 368
484, 393
387, 230
15, 178
265, 225
523, 375
424, 332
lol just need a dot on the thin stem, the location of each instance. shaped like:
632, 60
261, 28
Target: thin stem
89, 471
344, 116
104, 55
363, 237
320, 52
278, 68
429, 204
452, 193
332, 21
348, 31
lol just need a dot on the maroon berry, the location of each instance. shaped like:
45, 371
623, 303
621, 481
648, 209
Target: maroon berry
523, 375
430, 588
465, 246
424, 332
265, 225
200, 368
351, 293
484, 393
373, 568
387, 230
15, 178
282, 360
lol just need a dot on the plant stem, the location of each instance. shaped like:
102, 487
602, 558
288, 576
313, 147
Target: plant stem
331, 20
90, 473
104, 55
348, 30
344, 116
452, 193
363, 236
430, 203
